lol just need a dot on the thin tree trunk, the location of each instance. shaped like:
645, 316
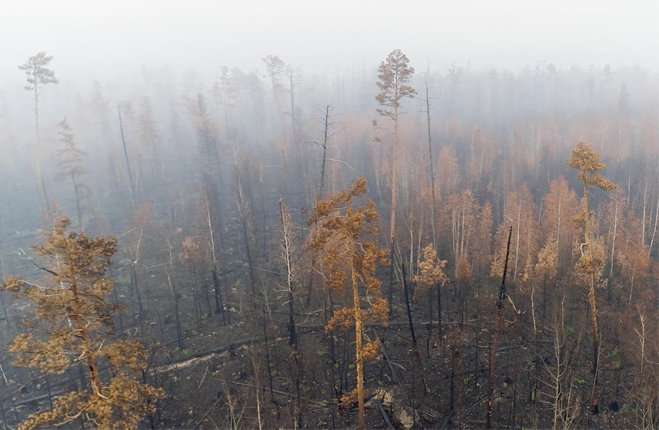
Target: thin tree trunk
172, 287
613, 242
329, 310
75, 315
454, 352
558, 231
519, 218
593, 308
136, 289
286, 245
432, 170
392, 225
219, 303
257, 397
429, 325
5, 312
243, 221
497, 331
409, 312
40, 181
325, 139
76, 193
654, 231
266, 344
126, 159
645, 203
439, 311
359, 359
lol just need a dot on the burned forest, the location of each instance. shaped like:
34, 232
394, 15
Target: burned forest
391, 245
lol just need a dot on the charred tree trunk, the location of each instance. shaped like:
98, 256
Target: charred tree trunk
497, 331
325, 141
409, 312
126, 158
439, 311
136, 289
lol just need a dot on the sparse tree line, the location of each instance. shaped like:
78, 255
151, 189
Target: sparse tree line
235, 274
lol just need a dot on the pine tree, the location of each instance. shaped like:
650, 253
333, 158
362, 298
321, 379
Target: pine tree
79, 323
70, 160
431, 271
431, 275
347, 259
591, 261
38, 74
393, 74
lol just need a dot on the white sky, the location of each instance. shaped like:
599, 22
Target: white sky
93, 39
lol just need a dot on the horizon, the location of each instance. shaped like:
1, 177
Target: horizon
106, 40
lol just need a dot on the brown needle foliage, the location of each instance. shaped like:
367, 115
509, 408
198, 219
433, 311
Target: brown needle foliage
431, 271
347, 259
79, 323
